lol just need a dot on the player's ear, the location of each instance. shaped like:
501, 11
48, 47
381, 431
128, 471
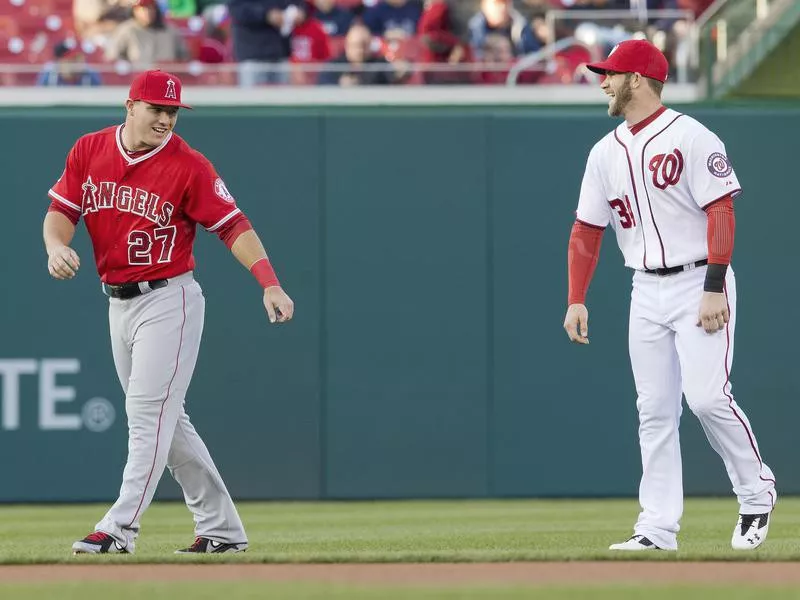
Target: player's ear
129, 106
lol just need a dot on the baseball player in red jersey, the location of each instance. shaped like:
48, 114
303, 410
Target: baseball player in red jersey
665, 184
141, 190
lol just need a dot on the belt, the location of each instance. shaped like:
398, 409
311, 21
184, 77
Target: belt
126, 291
679, 269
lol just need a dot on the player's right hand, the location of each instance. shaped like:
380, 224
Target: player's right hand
576, 323
63, 262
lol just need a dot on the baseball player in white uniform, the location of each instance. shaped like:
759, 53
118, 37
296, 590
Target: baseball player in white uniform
665, 185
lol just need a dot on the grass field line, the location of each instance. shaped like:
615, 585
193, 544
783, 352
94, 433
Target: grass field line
541, 573
477, 531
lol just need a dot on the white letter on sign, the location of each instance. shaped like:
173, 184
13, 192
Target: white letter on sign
11, 369
50, 394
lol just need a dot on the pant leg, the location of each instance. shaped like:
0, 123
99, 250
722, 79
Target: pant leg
120, 343
165, 327
706, 361
190, 463
658, 385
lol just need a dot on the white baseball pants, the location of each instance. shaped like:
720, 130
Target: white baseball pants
155, 340
671, 356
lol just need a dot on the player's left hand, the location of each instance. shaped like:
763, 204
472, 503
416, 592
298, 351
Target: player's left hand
280, 307
714, 313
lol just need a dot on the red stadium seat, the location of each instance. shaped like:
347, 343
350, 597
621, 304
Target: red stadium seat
8, 27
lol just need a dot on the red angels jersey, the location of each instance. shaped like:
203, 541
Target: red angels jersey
652, 187
140, 211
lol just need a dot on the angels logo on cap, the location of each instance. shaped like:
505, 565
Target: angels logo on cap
157, 87
170, 90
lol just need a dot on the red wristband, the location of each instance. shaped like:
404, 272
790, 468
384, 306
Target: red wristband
264, 273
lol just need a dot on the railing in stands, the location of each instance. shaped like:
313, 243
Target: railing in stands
672, 30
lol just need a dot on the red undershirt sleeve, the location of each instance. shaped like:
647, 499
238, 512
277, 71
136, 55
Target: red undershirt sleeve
582, 257
233, 229
721, 227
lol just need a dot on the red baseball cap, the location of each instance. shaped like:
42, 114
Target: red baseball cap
634, 56
157, 87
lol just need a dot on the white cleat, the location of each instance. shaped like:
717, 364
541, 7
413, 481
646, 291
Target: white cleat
99, 542
635, 543
204, 545
750, 532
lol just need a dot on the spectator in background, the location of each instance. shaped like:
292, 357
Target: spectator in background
501, 18
96, 19
540, 29
497, 55
214, 47
335, 19
69, 67
358, 65
309, 44
261, 39
146, 39
393, 20
441, 46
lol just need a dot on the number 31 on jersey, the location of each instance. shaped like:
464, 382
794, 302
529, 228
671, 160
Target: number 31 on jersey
623, 208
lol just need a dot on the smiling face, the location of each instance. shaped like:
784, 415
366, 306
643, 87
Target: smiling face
617, 87
149, 123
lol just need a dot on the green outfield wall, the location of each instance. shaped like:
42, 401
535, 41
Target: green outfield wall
425, 249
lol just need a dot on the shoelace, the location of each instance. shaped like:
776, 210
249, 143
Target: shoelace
97, 536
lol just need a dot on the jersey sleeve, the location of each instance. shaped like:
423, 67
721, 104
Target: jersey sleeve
209, 202
709, 170
66, 194
593, 208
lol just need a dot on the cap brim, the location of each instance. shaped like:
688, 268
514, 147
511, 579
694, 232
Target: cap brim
600, 68
164, 103
170, 103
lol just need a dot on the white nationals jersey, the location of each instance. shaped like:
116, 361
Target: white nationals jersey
652, 186
140, 211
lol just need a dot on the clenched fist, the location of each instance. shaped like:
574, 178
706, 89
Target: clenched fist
63, 262
279, 306
714, 313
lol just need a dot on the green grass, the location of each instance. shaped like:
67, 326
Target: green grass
283, 591
411, 531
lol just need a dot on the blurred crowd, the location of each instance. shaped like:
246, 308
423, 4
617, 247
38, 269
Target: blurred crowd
337, 42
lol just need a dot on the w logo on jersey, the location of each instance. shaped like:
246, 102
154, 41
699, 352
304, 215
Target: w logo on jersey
667, 169
170, 93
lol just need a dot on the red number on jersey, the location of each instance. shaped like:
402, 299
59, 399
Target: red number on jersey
140, 244
623, 208
166, 235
